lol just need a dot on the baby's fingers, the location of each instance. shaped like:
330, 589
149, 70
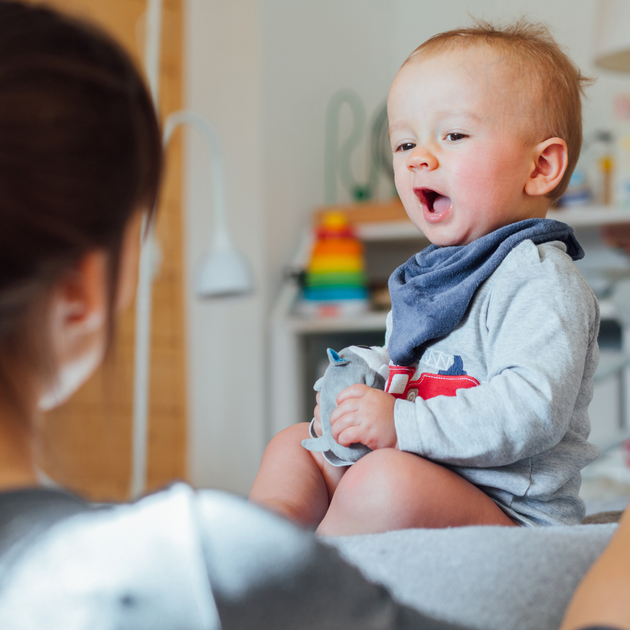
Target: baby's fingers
357, 390
351, 435
347, 406
341, 423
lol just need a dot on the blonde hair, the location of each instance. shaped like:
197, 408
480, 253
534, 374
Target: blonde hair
560, 82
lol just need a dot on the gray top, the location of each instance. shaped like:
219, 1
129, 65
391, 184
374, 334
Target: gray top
529, 337
180, 560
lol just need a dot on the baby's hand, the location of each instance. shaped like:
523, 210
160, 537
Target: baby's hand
366, 415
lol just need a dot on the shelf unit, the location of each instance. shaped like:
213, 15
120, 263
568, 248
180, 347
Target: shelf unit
587, 216
374, 222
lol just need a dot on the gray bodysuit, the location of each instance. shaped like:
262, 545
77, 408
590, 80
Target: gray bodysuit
502, 399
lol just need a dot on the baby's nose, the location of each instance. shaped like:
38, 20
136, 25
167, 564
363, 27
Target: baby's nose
422, 157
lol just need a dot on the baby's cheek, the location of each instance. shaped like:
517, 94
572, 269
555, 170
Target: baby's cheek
486, 179
403, 185
474, 182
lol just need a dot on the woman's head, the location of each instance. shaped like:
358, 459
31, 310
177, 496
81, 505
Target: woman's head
80, 154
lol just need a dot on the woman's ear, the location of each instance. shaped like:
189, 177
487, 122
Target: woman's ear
80, 299
79, 311
549, 165
77, 327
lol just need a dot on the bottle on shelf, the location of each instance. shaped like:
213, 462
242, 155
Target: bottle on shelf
598, 155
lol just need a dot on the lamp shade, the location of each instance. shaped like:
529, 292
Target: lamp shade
223, 270
223, 273
612, 35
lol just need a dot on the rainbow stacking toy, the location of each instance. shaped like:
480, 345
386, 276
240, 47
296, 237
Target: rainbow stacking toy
335, 278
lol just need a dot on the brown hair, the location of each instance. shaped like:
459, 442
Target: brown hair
80, 153
560, 82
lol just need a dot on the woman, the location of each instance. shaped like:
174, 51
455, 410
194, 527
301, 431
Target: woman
80, 163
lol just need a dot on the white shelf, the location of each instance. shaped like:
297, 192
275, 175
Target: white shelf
587, 216
405, 230
590, 216
371, 320
388, 231
375, 320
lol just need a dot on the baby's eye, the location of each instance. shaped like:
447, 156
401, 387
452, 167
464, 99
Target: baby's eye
404, 146
455, 137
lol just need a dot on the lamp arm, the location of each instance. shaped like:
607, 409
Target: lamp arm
152, 47
221, 235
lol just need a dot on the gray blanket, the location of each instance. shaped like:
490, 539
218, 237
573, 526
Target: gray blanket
490, 578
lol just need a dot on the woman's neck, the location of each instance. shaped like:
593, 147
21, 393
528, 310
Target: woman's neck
16, 456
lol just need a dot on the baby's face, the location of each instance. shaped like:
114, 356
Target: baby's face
461, 131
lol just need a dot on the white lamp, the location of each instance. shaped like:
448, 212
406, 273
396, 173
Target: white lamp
612, 35
223, 270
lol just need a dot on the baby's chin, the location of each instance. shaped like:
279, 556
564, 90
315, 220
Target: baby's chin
444, 240
445, 235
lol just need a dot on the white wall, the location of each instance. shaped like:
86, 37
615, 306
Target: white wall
226, 337
311, 50
263, 71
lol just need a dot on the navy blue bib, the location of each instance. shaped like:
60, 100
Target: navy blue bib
431, 291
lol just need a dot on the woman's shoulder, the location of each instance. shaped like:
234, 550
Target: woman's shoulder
28, 512
39, 500
140, 559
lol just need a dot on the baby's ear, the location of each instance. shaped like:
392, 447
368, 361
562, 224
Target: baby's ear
549, 165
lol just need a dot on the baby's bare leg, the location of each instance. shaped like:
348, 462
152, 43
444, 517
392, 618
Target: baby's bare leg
389, 489
294, 482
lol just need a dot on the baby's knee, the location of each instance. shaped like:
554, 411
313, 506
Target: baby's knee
381, 492
383, 478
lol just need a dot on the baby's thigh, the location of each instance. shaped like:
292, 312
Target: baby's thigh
382, 482
390, 489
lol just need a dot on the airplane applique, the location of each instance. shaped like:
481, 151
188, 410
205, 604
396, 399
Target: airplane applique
444, 383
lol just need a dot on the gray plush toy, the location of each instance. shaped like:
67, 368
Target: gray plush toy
351, 365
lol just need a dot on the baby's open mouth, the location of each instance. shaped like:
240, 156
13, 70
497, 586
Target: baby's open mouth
433, 200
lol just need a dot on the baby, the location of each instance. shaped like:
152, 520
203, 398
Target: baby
493, 332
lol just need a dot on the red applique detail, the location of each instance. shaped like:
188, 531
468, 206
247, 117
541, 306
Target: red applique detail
431, 385
427, 386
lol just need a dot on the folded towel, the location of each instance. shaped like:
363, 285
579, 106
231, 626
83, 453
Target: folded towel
431, 291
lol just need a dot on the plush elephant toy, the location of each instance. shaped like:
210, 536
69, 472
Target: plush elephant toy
351, 365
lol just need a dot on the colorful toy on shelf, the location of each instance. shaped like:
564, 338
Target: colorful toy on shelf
335, 281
